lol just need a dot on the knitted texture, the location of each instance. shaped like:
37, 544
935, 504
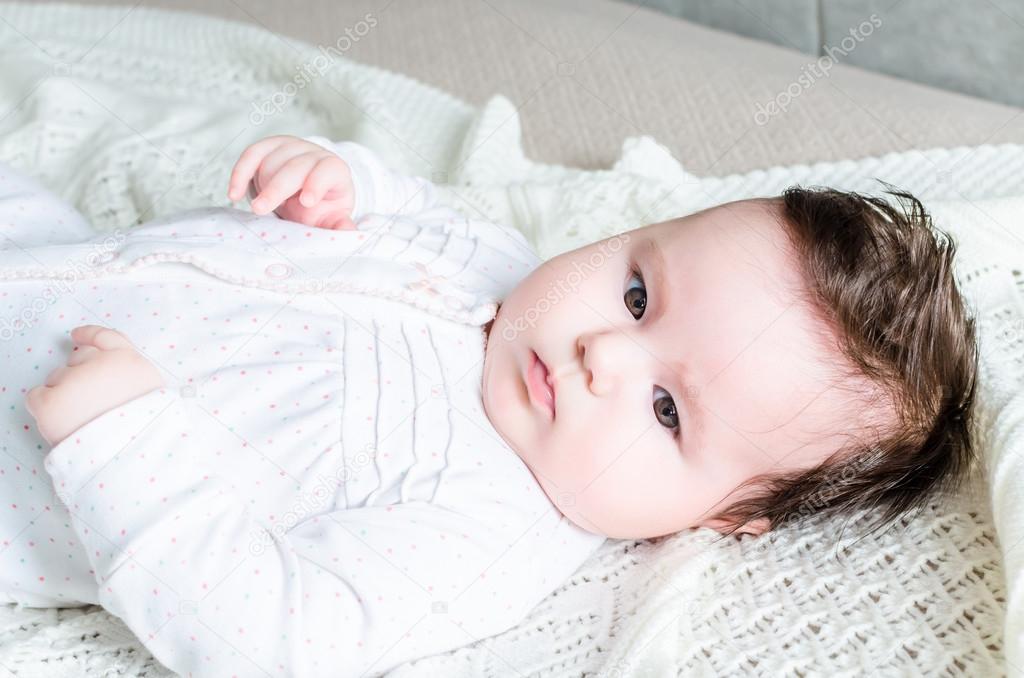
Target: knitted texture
145, 112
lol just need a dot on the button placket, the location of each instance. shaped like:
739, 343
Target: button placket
278, 271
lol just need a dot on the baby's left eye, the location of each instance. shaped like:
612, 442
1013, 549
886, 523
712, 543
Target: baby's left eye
636, 297
665, 409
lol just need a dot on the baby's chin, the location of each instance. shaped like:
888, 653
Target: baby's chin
577, 519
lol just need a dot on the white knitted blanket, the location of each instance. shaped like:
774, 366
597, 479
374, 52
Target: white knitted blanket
131, 115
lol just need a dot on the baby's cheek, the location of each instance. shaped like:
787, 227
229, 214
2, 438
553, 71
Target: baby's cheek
576, 459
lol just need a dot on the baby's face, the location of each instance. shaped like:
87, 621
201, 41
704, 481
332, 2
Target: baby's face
670, 387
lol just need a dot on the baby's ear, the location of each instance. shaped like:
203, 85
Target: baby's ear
755, 527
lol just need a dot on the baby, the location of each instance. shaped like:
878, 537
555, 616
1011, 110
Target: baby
352, 428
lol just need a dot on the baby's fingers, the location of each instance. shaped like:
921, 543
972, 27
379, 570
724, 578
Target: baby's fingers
342, 222
101, 337
247, 164
328, 176
81, 354
36, 400
55, 377
284, 184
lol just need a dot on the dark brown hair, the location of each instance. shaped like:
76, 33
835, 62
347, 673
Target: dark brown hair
881, 276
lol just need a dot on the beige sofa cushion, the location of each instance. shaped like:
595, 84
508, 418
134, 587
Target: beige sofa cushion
588, 73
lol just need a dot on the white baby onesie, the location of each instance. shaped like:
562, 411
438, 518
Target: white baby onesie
317, 491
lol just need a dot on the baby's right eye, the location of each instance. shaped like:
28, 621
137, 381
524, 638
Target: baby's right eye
636, 297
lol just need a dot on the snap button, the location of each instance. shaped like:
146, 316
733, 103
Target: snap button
278, 270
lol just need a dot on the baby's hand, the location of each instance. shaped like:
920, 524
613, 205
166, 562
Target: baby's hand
280, 166
103, 371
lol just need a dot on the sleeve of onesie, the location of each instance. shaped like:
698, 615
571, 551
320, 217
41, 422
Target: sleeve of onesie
211, 590
378, 188
381, 190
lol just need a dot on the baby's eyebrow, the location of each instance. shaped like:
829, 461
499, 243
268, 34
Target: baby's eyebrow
656, 263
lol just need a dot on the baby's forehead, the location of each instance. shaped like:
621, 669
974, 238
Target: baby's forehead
757, 209
764, 213
751, 230
739, 258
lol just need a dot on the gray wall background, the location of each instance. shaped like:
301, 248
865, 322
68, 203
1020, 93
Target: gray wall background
973, 46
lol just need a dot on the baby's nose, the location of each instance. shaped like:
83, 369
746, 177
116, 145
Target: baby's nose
602, 360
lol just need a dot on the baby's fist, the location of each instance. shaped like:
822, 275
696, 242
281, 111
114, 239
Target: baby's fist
103, 371
296, 179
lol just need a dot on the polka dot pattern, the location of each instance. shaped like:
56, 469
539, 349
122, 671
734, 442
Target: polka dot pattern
317, 487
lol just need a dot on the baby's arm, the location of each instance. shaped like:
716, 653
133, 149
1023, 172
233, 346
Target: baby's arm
379, 189
319, 183
210, 589
32, 215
